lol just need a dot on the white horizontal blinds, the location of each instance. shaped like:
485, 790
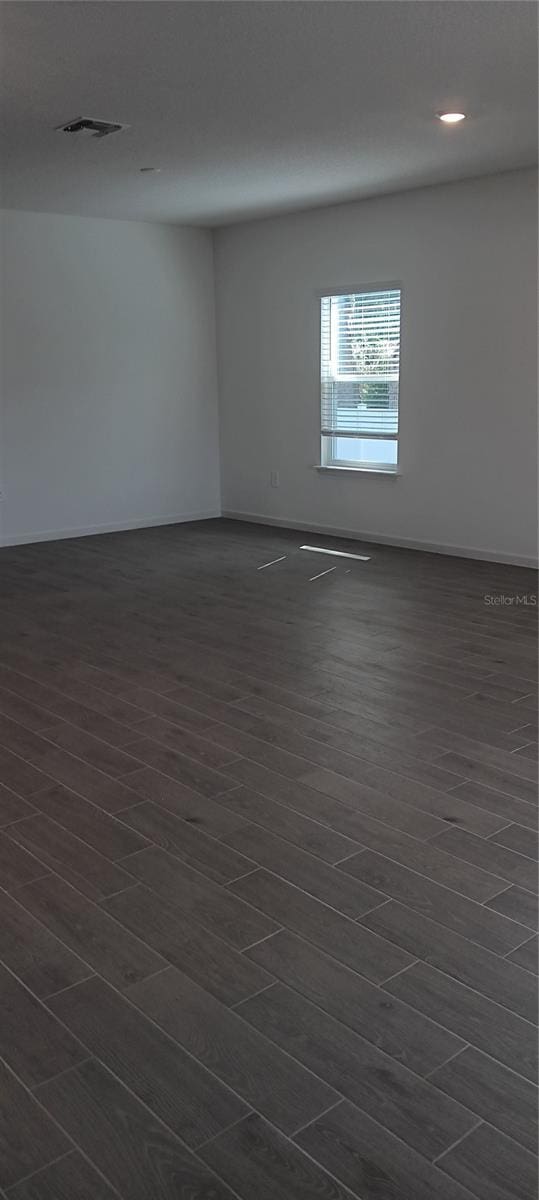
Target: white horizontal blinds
360, 342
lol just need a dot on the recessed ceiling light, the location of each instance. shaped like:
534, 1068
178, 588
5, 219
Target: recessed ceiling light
451, 118
149, 170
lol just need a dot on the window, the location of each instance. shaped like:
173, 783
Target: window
360, 345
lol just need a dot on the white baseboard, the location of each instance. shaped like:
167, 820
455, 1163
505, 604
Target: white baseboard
518, 560
54, 535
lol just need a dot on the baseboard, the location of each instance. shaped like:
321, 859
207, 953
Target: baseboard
517, 560
55, 535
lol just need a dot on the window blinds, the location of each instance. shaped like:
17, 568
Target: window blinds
360, 343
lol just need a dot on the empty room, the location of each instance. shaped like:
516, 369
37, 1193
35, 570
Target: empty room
268, 600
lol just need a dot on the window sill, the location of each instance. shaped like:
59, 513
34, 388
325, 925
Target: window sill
357, 471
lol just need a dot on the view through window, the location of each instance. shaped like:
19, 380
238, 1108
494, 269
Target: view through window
360, 356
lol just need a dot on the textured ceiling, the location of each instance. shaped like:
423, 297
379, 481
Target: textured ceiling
251, 108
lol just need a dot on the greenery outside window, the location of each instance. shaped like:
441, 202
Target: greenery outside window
360, 367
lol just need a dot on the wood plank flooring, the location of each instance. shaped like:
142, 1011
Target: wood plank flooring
268, 871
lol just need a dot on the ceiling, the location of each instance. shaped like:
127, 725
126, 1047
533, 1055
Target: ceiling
251, 108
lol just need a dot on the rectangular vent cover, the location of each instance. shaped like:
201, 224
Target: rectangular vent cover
90, 126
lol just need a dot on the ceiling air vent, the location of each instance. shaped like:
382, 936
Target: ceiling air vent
89, 126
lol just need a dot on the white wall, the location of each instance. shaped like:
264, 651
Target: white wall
466, 257
109, 399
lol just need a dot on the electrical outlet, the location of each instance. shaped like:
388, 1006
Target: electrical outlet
274, 478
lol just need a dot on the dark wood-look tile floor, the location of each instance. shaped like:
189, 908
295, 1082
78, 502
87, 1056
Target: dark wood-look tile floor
268, 871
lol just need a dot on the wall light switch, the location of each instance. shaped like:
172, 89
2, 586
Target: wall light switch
274, 478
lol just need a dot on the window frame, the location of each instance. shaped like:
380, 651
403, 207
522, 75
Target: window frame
327, 461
